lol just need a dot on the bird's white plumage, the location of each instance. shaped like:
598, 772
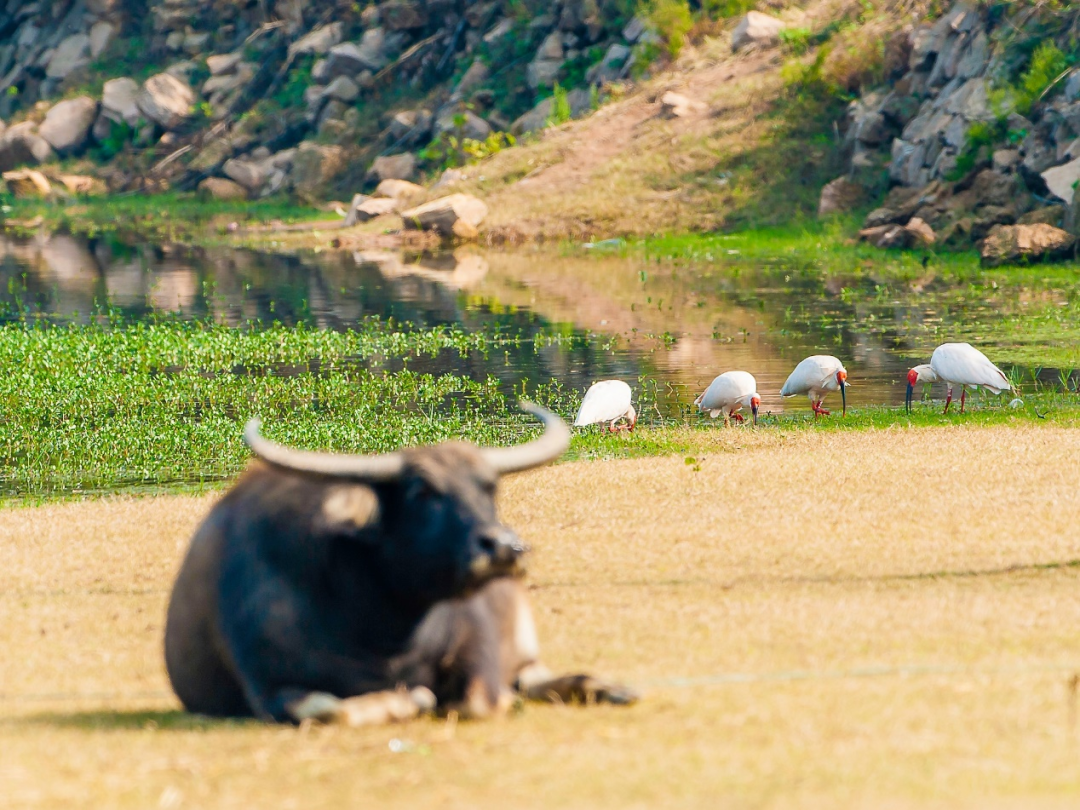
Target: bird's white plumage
963, 364
731, 390
605, 401
815, 376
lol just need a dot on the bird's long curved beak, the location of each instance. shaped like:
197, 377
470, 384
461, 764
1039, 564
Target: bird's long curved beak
843, 397
753, 410
907, 397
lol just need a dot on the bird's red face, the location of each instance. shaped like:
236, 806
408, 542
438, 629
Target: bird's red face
755, 403
913, 377
841, 380
841, 377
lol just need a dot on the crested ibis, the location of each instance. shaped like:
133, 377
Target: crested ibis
816, 376
728, 394
958, 364
607, 401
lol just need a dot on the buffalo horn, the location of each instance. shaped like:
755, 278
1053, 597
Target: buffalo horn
386, 467
553, 442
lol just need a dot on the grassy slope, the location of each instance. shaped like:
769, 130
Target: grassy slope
906, 640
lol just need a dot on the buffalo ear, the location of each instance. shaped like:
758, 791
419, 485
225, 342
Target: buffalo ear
348, 509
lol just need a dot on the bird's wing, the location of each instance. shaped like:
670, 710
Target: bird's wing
808, 374
963, 363
727, 388
605, 401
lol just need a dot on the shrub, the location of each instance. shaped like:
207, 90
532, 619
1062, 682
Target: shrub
671, 19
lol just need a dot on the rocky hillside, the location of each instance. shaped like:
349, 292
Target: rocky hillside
249, 99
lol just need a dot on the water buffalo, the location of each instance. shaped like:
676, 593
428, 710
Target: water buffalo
362, 589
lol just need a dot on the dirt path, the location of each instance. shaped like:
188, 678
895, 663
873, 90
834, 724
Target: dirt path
836, 619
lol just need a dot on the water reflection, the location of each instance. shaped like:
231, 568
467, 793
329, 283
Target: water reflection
680, 326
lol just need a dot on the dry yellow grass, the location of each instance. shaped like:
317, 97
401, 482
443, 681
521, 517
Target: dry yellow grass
875, 619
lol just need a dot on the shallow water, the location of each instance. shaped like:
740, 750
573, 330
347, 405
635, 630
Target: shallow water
633, 317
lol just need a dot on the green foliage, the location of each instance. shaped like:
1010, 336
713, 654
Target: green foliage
796, 40
120, 135
671, 19
560, 110
980, 138
726, 8
449, 150
1046, 66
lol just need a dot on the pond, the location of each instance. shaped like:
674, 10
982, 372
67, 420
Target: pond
628, 316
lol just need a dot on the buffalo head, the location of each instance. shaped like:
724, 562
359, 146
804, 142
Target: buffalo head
427, 521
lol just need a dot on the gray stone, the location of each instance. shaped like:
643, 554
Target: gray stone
71, 54
20, 145
975, 57
1005, 160
955, 133
101, 36
67, 124
318, 40
887, 236
475, 76
251, 174
196, 43
920, 232
314, 166
542, 72
1039, 155
499, 30
456, 215
839, 197
343, 89
1061, 180
475, 127
610, 67
551, 48
394, 167
633, 30
1071, 90
756, 29
398, 189
165, 100
349, 58
411, 126
222, 63
401, 15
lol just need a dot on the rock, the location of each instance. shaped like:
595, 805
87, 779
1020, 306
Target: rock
394, 167
343, 89
67, 124
920, 232
499, 30
318, 40
475, 127
539, 117
633, 30
222, 63
165, 100
680, 106
1061, 180
542, 72
887, 236
475, 76
411, 126
219, 188
610, 67
1005, 160
449, 177
399, 15
225, 83
118, 101
21, 145
80, 184
457, 215
1011, 244
756, 29
349, 58
71, 54
195, 44
175, 41
27, 183
398, 189
1049, 215
1071, 91
101, 36
314, 166
364, 208
250, 174
839, 197
551, 48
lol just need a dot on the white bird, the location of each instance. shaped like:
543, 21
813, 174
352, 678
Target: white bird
816, 376
958, 364
728, 394
607, 401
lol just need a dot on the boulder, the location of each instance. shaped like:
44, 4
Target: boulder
27, 183
72, 53
80, 184
318, 40
398, 189
540, 116
633, 30
610, 67
920, 232
887, 236
394, 167
399, 15
1012, 244
118, 101
456, 215
314, 166
343, 89
250, 174
542, 72
67, 124
411, 126
219, 188
350, 58
364, 208
1047, 215
676, 105
222, 63
101, 36
475, 76
839, 197
165, 100
21, 145
1061, 180
756, 29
